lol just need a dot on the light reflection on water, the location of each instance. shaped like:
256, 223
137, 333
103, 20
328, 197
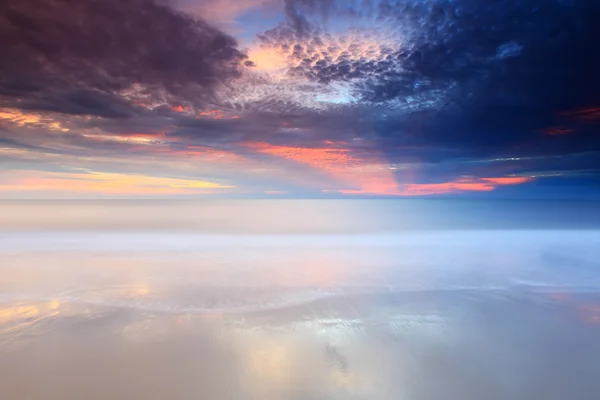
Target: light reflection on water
452, 314
459, 344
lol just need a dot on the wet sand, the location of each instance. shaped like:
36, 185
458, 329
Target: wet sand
386, 345
369, 313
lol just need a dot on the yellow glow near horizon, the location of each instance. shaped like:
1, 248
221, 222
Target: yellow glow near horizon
104, 183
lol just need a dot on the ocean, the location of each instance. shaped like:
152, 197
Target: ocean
299, 299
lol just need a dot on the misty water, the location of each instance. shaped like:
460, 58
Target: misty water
299, 300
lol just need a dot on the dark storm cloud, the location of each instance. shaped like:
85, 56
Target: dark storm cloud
75, 56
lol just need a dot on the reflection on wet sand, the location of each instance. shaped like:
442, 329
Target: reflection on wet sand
441, 315
418, 345
16, 318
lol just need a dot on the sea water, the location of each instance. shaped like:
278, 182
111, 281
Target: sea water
261, 299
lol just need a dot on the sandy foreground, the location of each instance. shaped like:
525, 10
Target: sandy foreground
388, 345
453, 315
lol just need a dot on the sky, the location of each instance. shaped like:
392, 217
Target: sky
299, 98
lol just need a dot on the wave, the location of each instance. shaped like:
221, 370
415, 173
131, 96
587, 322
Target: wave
294, 298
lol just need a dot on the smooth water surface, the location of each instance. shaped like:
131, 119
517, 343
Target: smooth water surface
365, 310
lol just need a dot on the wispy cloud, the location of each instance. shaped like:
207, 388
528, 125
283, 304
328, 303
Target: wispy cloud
106, 184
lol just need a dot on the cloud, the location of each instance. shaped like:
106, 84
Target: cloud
361, 175
365, 173
459, 185
19, 118
412, 97
86, 57
584, 114
444, 52
92, 182
224, 13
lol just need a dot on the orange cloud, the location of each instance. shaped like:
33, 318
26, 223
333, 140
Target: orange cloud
180, 108
133, 138
508, 180
368, 176
329, 159
371, 176
460, 185
17, 117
